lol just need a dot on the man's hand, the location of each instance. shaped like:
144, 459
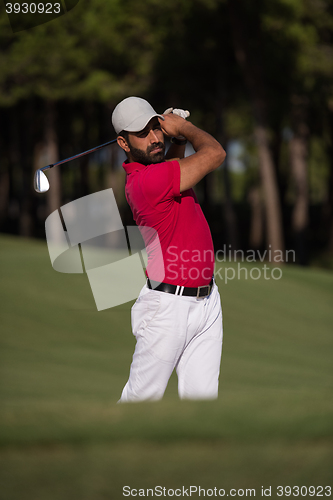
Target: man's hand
180, 112
173, 125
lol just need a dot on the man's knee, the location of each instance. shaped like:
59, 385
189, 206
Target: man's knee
148, 393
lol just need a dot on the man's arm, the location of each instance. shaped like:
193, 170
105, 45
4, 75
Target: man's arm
175, 151
209, 154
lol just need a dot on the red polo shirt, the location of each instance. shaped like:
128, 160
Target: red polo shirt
153, 194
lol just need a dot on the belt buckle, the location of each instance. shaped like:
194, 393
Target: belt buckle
208, 291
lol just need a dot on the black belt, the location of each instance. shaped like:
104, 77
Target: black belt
201, 291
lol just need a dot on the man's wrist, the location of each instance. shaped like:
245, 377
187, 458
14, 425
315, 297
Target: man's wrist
179, 141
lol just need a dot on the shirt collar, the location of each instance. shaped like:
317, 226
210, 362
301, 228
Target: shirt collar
133, 166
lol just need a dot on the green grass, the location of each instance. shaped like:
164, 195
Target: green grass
63, 366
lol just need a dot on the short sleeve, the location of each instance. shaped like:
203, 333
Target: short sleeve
160, 183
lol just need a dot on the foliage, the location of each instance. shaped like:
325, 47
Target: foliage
180, 54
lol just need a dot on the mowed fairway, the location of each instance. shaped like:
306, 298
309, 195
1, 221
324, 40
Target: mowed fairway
63, 366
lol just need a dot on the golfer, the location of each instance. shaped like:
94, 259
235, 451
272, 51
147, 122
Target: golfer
177, 318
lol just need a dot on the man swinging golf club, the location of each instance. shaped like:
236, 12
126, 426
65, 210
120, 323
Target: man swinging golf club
177, 320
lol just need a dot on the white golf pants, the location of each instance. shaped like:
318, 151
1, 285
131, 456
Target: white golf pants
179, 332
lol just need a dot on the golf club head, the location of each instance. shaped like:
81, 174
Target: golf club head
41, 183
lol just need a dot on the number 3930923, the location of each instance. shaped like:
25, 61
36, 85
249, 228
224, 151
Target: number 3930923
303, 491
33, 8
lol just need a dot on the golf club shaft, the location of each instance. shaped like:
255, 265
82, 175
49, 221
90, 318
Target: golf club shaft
79, 155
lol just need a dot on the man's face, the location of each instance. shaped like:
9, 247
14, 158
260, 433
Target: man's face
147, 146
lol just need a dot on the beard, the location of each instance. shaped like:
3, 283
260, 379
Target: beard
147, 157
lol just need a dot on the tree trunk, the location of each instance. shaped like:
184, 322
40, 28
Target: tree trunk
327, 213
14, 170
256, 228
52, 156
249, 58
229, 213
84, 161
282, 177
4, 193
112, 180
298, 159
26, 127
272, 202
4, 170
114, 239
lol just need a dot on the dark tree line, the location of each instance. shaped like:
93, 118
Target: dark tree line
260, 73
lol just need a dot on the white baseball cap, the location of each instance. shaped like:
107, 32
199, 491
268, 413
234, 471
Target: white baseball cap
132, 114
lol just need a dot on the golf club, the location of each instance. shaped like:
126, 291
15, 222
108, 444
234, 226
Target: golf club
41, 183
